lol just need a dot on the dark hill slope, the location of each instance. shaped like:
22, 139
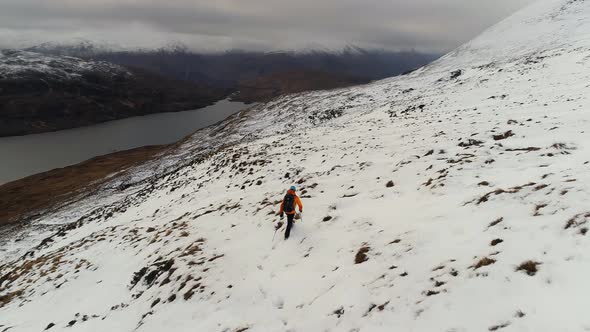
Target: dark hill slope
265, 88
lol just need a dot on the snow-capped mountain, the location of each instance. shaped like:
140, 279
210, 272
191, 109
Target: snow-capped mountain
92, 49
40, 93
78, 48
233, 69
16, 64
450, 199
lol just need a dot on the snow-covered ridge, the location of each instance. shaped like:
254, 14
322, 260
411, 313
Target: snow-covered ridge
76, 47
526, 34
482, 227
18, 64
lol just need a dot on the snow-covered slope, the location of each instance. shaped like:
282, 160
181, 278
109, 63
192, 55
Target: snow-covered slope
484, 227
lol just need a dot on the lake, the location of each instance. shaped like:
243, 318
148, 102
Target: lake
27, 155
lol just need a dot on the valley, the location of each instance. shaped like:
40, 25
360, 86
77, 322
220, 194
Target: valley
452, 198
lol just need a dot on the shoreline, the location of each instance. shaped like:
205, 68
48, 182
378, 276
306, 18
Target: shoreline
23, 199
38, 153
27, 198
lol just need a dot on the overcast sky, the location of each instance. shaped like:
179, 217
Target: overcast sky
424, 25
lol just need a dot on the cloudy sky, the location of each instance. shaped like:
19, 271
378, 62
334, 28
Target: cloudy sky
424, 25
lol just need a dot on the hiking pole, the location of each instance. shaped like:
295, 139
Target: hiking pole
279, 225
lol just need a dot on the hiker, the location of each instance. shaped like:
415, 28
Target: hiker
288, 207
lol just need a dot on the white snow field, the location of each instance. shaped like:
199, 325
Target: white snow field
483, 229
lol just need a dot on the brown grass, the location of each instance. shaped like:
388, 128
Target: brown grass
538, 208
505, 135
530, 267
500, 191
539, 187
26, 268
577, 220
7, 298
529, 149
498, 327
29, 196
495, 222
215, 257
484, 262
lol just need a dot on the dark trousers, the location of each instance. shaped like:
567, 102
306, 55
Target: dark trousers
289, 225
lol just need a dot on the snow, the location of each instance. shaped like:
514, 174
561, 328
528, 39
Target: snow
195, 228
22, 64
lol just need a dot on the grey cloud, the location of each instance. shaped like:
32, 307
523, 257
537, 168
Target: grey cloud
429, 25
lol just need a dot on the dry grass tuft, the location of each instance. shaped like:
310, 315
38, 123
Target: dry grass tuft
495, 222
530, 267
7, 298
498, 327
484, 262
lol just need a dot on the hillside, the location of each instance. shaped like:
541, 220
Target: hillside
450, 199
267, 87
40, 93
38, 193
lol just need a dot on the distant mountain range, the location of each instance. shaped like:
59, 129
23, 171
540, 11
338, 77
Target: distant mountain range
237, 70
40, 93
59, 86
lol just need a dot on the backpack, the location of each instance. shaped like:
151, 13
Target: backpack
289, 203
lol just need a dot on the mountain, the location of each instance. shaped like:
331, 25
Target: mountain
453, 198
267, 87
80, 48
231, 68
40, 93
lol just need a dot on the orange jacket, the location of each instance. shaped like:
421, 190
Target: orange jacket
297, 202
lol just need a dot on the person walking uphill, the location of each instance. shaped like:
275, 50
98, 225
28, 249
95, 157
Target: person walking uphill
288, 206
